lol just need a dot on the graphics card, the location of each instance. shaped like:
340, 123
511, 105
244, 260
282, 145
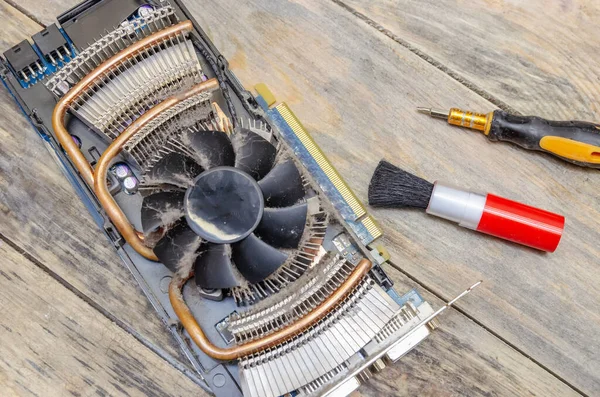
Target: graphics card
246, 240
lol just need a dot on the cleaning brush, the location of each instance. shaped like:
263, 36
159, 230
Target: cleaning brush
487, 213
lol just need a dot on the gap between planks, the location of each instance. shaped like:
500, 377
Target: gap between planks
485, 327
23, 11
178, 365
427, 58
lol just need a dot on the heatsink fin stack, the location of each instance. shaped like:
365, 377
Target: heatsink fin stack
136, 83
323, 348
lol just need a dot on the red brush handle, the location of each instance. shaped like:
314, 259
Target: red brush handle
521, 223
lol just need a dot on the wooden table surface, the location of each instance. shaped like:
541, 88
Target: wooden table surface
74, 322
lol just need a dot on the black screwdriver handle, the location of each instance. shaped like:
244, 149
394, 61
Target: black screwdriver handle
574, 141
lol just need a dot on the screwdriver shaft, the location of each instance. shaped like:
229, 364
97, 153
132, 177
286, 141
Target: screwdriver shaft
440, 114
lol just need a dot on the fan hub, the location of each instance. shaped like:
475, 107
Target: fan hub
224, 205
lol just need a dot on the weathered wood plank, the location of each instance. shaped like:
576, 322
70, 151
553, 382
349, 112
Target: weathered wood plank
352, 89
16, 27
356, 92
40, 212
43, 12
54, 344
537, 56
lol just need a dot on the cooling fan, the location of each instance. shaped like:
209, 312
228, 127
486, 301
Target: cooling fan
227, 210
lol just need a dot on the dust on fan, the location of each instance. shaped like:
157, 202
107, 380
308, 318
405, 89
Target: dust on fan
232, 212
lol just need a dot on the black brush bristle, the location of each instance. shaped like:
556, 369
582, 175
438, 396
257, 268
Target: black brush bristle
392, 187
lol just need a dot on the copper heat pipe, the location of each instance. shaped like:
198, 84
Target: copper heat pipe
60, 110
231, 353
106, 199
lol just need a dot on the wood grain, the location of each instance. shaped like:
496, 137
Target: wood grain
41, 213
356, 91
54, 344
539, 57
42, 12
16, 27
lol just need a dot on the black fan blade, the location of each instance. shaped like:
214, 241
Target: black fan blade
213, 148
253, 154
255, 259
283, 227
174, 169
213, 268
282, 186
178, 248
161, 209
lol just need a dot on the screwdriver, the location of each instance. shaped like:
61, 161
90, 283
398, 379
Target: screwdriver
575, 141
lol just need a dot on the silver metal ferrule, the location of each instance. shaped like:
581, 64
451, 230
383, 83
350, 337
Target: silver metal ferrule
457, 205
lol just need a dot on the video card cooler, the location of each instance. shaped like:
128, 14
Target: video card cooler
192, 177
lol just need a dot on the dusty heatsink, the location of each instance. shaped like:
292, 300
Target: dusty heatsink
296, 259
137, 82
173, 150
